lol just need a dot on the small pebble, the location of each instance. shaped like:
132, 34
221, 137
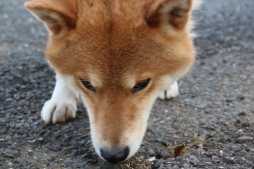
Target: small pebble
215, 159
7, 155
81, 165
30, 152
152, 159
175, 167
16, 161
244, 139
240, 131
151, 152
221, 153
242, 114
163, 154
194, 162
245, 124
51, 159
10, 164
155, 166
209, 163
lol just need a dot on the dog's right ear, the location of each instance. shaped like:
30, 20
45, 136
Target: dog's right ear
175, 13
59, 16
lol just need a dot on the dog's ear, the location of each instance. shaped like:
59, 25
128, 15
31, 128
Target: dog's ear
168, 12
59, 16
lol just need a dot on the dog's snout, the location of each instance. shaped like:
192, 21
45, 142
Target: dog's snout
115, 155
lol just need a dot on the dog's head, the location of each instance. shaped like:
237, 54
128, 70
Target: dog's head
119, 55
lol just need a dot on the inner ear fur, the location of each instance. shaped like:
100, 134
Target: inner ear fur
59, 16
171, 12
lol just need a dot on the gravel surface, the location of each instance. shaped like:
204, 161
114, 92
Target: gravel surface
210, 125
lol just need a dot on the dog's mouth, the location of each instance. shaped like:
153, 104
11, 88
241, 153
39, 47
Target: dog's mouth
117, 154
119, 147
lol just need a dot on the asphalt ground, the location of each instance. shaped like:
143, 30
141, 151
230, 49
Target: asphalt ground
209, 125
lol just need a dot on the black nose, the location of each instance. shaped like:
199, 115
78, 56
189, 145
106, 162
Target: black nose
115, 155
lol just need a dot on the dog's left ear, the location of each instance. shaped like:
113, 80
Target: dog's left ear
59, 16
175, 13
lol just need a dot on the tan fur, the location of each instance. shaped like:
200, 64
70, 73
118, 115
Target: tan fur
114, 44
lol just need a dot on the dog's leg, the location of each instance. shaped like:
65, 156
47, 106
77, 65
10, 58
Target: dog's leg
62, 105
171, 92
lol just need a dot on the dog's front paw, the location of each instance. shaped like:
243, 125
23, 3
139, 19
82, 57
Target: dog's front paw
58, 111
171, 92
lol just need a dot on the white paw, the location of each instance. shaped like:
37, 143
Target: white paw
58, 111
171, 92
63, 104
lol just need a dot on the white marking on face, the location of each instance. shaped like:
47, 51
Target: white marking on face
132, 136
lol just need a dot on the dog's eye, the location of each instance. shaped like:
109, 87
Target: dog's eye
87, 84
140, 85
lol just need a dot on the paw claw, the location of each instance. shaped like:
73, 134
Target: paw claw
169, 93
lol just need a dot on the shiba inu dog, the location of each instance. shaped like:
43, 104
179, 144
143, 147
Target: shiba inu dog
119, 55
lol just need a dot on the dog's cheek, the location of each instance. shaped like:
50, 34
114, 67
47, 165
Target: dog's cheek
93, 128
95, 138
137, 132
135, 139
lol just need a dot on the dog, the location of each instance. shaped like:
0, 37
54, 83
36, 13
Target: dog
120, 56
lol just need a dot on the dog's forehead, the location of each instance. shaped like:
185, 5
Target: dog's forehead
123, 59
113, 47
97, 13
126, 73
115, 42
118, 53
